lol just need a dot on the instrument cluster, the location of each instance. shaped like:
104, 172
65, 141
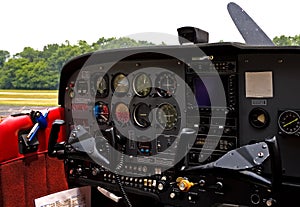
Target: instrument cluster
142, 100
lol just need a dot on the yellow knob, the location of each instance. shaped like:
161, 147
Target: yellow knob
183, 184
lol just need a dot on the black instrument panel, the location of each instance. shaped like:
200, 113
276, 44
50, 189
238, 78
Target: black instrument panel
142, 104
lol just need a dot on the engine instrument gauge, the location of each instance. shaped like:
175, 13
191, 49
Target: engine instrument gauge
289, 122
122, 113
167, 116
120, 84
166, 84
142, 85
101, 112
101, 86
142, 115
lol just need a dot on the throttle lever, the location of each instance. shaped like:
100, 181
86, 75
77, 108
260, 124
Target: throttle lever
53, 146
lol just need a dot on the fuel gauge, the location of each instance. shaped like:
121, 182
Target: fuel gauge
289, 122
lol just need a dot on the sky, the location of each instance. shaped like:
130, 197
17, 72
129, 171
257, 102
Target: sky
36, 23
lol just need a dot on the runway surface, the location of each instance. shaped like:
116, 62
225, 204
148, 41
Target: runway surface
8, 110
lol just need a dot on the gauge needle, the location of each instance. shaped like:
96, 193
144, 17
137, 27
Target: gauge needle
104, 117
290, 122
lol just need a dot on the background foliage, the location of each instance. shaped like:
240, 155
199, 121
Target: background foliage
35, 69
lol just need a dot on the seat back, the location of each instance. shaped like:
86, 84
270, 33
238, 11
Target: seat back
24, 177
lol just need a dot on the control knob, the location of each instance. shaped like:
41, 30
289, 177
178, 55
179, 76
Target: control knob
183, 184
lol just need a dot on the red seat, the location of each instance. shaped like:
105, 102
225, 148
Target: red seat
26, 177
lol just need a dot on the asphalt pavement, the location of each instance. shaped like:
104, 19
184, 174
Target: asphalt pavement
8, 110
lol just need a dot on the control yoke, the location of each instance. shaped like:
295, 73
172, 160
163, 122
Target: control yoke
245, 158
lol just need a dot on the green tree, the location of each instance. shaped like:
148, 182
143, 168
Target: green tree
8, 72
287, 40
4, 55
28, 53
35, 69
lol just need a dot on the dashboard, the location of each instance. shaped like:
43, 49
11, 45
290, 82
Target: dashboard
146, 124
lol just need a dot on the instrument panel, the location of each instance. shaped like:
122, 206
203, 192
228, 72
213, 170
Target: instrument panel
153, 116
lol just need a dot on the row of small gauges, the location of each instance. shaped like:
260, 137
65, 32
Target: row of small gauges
142, 115
165, 85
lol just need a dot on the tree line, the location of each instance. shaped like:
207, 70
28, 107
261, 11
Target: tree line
40, 69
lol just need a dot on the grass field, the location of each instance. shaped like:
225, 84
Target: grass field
29, 97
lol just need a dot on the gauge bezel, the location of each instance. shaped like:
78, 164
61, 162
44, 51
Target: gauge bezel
135, 119
135, 85
159, 89
114, 78
106, 79
108, 115
254, 123
173, 123
282, 127
120, 122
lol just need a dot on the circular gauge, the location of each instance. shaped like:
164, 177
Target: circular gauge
142, 84
142, 115
166, 84
289, 122
122, 114
101, 112
120, 84
167, 116
259, 118
101, 86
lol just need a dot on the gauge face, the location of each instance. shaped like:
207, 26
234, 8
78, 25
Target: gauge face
101, 112
289, 122
120, 84
101, 86
142, 85
167, 116
166, 84
259, 118
142, 115
122, 114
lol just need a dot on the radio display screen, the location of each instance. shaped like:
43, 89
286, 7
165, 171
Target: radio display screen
207, 91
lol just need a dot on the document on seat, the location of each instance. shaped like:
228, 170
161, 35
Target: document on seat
75, 197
